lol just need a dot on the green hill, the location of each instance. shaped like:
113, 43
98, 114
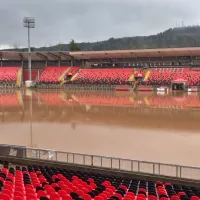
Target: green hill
171, 38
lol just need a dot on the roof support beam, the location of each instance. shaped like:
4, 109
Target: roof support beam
66, 56
54, 56
43, 57
1, 56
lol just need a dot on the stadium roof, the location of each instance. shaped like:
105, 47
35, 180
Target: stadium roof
37, 56
83, 55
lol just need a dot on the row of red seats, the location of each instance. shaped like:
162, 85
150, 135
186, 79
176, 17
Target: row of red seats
73, 70
9, 74
49, 183
166, 78
158, 76
104, 76
52, 74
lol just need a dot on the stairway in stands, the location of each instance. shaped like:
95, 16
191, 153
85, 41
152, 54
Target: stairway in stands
19, 77
75, 75
62, 77
132, 77
147, 75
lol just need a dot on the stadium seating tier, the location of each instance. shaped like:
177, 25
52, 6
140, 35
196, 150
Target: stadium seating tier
167, 76
50, 183
103, 76
120, 76
9, 74
56, 74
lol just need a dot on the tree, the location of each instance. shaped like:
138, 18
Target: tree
73, 46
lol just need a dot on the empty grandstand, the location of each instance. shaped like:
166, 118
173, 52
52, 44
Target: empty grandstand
55, 75
103, 76
137, 69
10, 76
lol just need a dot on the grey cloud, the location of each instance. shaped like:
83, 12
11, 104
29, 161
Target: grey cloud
58, 21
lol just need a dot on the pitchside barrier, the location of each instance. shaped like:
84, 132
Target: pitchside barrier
77, 87
88, 87
119, 164
49, 86
93, 87
8, 85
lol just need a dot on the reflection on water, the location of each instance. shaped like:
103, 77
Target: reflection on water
143, 126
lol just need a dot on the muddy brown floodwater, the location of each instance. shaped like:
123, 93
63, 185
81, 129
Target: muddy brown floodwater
142, 126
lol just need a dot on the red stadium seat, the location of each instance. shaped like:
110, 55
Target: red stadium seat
102, 188
165, 76
62, 193
53, 74
69, 198
41, 193
18, 198
54, 196
103, 76
4, 196
9, 74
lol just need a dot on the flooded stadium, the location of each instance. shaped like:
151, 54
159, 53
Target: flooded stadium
146, 126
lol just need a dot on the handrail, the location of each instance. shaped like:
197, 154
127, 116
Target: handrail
141, 161
120, 164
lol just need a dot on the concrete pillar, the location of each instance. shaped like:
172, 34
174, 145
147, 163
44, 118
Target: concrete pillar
46, 63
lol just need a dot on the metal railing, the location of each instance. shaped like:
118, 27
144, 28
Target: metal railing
123, 165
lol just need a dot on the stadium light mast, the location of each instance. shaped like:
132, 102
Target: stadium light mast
29, 22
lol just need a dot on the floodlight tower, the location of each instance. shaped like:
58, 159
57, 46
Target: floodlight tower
29, 22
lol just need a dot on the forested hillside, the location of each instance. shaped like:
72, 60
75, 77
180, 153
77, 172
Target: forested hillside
176, 37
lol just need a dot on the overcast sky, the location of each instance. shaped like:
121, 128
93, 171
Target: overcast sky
58, 21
